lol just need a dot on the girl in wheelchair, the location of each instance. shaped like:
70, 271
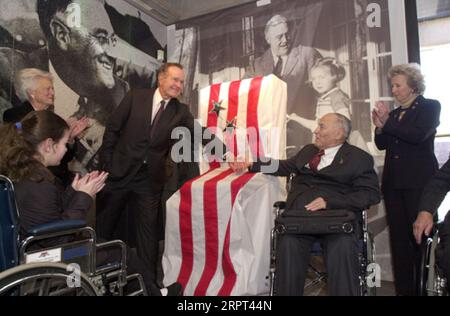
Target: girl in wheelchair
27, 149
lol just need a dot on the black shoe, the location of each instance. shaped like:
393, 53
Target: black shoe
175, 289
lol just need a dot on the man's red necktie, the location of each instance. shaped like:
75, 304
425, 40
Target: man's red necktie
315, 160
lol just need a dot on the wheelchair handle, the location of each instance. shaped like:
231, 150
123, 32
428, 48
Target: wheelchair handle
280, 229
280, 205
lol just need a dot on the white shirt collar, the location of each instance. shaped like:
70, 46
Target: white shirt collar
328, 156
332, 150
157, 98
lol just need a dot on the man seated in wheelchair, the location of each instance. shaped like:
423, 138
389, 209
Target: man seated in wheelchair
329, 174
27, 148
432, 196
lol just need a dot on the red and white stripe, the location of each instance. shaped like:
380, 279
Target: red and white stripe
256, 103
215, 243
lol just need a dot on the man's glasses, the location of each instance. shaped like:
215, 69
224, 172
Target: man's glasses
104, 39
100, 35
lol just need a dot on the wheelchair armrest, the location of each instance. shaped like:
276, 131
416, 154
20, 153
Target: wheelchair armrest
281, 205
118, 244
57, 226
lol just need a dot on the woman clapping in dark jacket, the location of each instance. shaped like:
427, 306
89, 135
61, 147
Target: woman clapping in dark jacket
407, 135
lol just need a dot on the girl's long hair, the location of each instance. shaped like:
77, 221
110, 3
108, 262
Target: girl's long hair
19, 157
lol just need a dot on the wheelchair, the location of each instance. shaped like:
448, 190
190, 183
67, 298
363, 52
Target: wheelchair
366, 253
432, 280
66, 268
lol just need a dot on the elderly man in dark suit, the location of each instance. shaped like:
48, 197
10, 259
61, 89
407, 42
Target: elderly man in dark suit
136, 143
330, 174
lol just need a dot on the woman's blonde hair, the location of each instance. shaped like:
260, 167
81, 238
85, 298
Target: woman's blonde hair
414, 76
27, 80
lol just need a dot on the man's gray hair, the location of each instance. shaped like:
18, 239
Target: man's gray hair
275, 20
27, 80
344, 123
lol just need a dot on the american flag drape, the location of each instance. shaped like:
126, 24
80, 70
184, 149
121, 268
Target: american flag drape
218, 224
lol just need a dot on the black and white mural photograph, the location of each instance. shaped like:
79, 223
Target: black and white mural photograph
332, 54
249, 148
96, 51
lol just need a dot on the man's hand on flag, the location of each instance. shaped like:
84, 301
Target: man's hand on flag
238, 164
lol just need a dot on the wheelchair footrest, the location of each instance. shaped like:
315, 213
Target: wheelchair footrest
141, 290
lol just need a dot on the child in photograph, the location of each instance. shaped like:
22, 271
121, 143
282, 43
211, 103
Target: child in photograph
324, 77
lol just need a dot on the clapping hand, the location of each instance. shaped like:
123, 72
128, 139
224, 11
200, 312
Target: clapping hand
77, 126
91, 183
380, 114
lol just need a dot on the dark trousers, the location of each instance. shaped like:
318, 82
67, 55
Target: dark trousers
112, 201
341, 260
401, 211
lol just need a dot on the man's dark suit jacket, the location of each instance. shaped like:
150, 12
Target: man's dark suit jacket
298, 64
436, 190
409, 143
432, 197
300, 97
350, 182
17, 113
126, 142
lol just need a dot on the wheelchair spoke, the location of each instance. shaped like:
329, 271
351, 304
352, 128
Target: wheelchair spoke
43, 279
44, 288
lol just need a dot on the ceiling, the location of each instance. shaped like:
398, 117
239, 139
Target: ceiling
171, 11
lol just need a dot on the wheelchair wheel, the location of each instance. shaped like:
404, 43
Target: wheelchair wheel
44, 279
431, 281
425, 250
369, 252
